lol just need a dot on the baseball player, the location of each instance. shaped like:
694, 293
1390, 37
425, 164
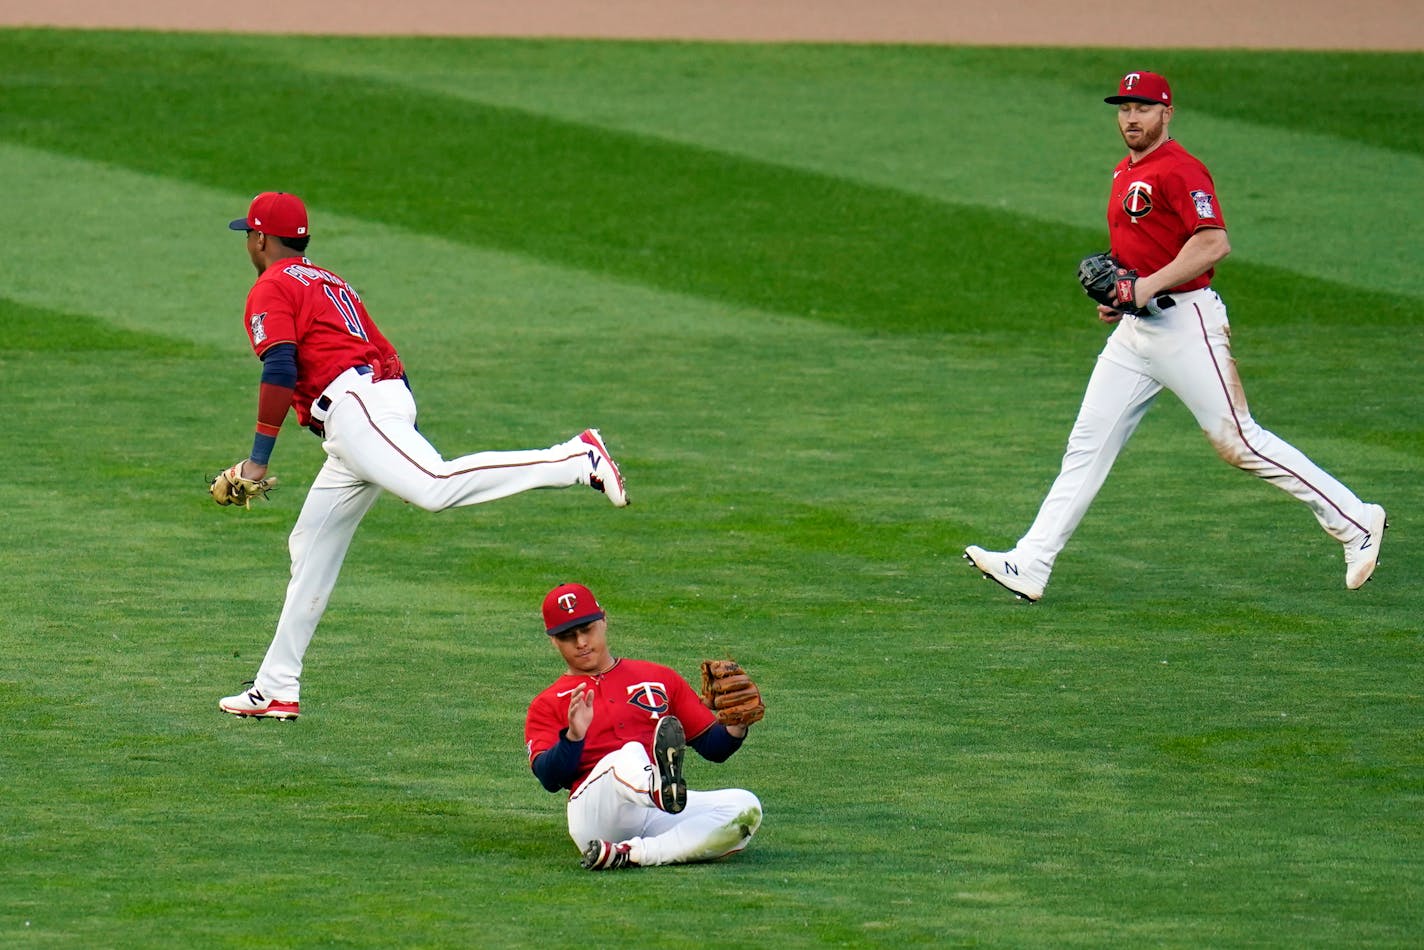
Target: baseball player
1171, 331
323, 356
614, 731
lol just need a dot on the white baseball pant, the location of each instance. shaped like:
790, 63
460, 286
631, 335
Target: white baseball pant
615, 804
1187, 349
372, 446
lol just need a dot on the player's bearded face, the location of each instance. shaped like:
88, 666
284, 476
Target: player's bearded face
1142, 124
585, 648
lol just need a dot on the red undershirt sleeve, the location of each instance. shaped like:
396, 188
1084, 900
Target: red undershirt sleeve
274, 397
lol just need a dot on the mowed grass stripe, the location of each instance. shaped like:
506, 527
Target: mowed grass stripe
668, 216
642, 209
960, 125
952, 125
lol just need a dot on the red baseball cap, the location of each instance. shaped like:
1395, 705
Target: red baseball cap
1142, 87
568, 606
276, 213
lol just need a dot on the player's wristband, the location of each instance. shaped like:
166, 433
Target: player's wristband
262, 445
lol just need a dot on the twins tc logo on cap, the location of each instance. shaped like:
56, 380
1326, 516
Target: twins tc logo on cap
1142, 87
568, 606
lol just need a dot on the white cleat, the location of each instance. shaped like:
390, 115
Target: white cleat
1362, 554
253, 704
1002, 567
603, 472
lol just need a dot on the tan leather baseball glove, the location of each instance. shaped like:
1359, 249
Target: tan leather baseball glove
729, 692
230, 488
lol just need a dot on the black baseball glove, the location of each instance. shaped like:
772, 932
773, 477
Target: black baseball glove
1109, 283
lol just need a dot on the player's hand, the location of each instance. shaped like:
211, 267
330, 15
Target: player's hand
250, 469
1107, 314
580, 712
1141, 294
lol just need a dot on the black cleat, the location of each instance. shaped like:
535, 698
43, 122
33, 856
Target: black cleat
669, 744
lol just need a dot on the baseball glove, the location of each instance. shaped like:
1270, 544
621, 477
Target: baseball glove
730, 693
230, 488
1109, 283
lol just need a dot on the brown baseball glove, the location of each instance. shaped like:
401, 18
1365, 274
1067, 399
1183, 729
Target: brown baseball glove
730, 693
230, 488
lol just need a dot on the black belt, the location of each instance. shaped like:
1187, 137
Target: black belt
323, 403
1164, 302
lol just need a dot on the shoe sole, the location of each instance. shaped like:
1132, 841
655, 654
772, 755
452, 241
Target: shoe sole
988, 575
605, 856
614, 488
669, 746
281, 715
1379, 546
596, 855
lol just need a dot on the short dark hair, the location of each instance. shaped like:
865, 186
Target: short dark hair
298, 244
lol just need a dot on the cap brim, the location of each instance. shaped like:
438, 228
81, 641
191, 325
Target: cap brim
1118, 100
239, 225
576, 622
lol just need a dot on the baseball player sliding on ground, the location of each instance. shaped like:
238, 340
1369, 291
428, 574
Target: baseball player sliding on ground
323, 356
614, 732
1171, 332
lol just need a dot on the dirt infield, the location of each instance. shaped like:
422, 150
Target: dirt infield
1253, 24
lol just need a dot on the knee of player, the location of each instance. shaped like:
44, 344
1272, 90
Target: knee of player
426, 501
1229, 446
748, 817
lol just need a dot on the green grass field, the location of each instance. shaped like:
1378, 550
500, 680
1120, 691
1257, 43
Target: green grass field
821, 301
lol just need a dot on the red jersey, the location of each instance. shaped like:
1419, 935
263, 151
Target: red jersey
294, 301
627, 701
1157, 204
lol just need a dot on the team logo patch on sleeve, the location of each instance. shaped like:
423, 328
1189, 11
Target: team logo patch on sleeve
259, 332
1206, 204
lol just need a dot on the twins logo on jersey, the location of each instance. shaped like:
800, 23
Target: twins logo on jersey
651, 697
259, 332
1138, 200
1206, 207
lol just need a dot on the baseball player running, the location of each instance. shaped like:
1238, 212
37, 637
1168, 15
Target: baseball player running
324, 356
1171, 331
614, 731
